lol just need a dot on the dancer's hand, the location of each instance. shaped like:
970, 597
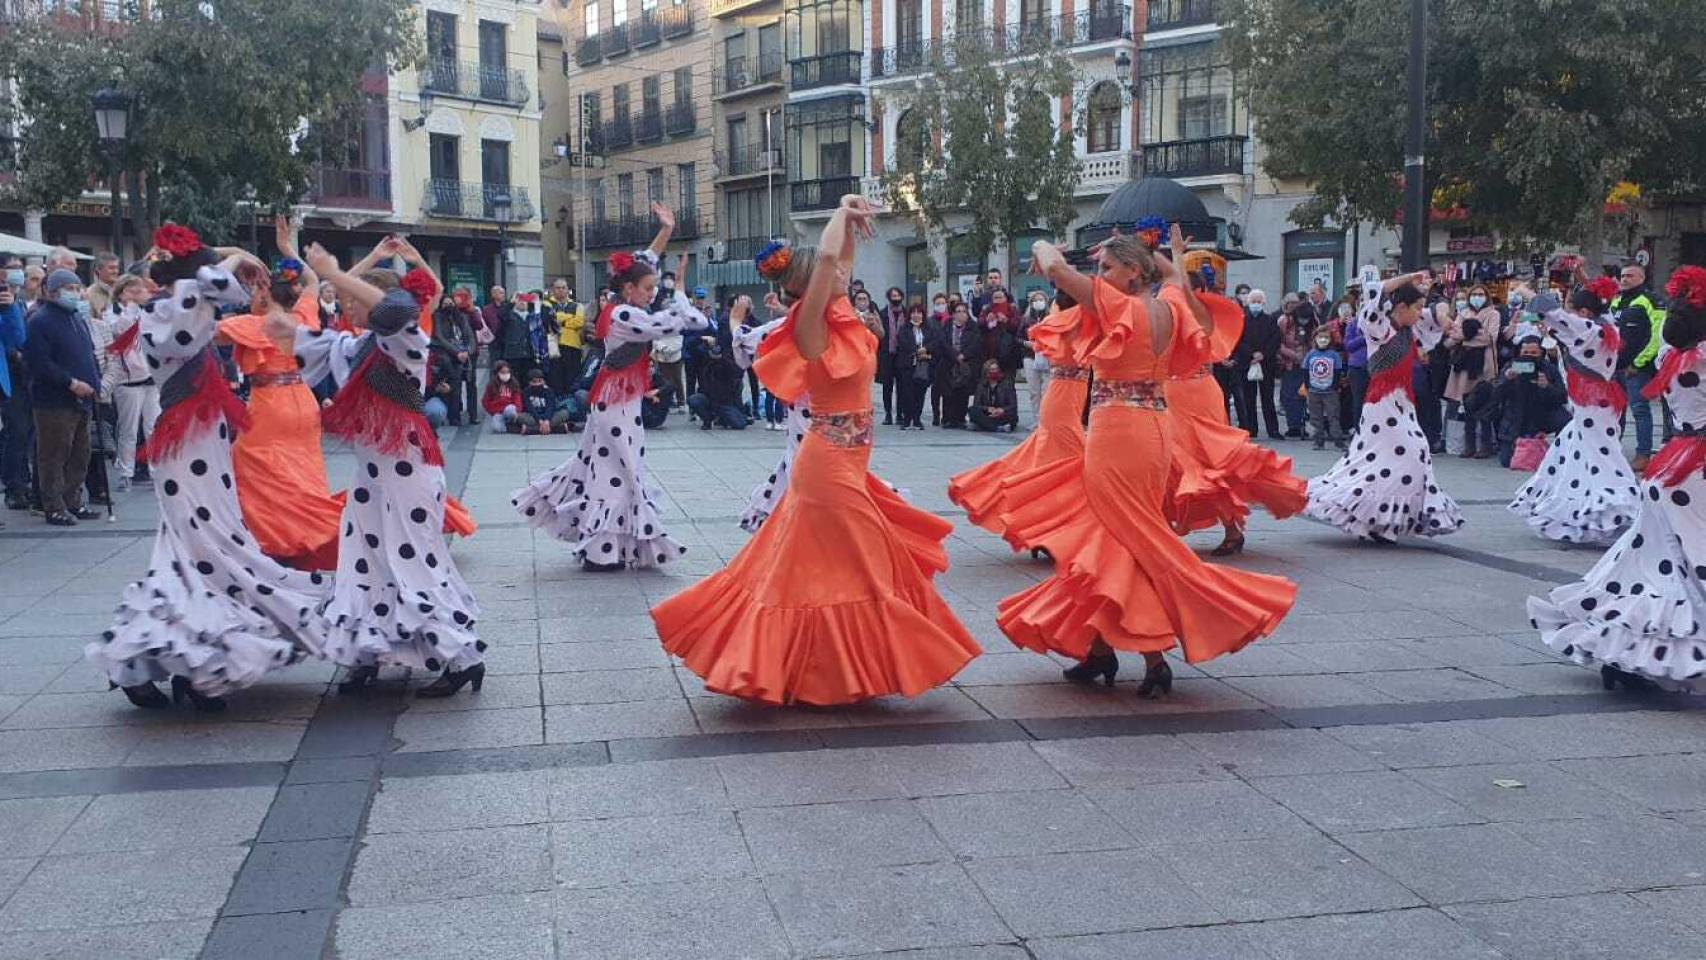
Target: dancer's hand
666, 216
320, 261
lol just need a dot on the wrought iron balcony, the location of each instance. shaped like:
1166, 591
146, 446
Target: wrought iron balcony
475, 81
676, 21
462, 200
646, 31
680, 120
750, 160
648, 126
821, 194
618, 133
827, 70
359, 189
590, 50
616, 40
1173, 14
741, 75
637, 230
1206, 157
1099, 24
743, 248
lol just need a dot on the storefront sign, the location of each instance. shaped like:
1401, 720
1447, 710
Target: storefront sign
1470, 245
1312, 272
468, 276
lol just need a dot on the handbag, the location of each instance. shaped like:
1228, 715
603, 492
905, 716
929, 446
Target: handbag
1254, 374
960, 375
1529, 453
921, 371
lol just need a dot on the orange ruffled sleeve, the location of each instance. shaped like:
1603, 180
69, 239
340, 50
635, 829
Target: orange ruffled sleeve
1111, 309
783, 370
1055, 336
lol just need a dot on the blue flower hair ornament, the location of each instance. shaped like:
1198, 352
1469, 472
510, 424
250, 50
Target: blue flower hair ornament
1150, 230
289, 269
773, 259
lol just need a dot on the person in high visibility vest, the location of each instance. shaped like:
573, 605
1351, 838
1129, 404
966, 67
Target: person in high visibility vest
1640, 323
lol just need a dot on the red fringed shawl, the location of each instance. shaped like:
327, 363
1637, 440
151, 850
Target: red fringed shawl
615, 385
379, 408
209, 400
1400, 376
1683, 456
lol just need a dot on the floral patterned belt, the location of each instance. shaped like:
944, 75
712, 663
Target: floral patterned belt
1070, 373
275, 379
845, 429
1147, 394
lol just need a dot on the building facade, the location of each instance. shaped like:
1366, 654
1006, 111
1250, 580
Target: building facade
748, 162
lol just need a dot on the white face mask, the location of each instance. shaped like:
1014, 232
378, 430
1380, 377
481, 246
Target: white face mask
1459, 304
1345, 310
503, 377
1324, 344
1477, 302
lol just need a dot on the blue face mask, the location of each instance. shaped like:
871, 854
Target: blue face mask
15, 277
71, 301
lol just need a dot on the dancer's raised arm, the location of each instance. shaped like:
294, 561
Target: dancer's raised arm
850, 221
1173, 274
666, 221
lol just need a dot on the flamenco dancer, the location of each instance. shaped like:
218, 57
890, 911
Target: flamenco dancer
1384, 486
1217, 471
1640, 613
830, 602
1123, 579
1584, 491
600, 500
746, 343
213, 614
1059, 434
398, 597
281, 472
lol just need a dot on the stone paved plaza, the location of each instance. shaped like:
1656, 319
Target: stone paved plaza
1402, 772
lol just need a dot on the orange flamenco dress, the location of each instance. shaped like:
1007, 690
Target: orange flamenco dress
281, 473
831, 601
1121, 573
1059, 435
1217, 471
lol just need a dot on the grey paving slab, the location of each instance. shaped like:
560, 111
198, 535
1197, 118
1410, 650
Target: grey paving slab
611, 686
1324, 690
478, 928
301, 933
1081, 893
317, 811
1658, 783
31, 826
579, 723
943, 705
601, 655
1183, 943
1682, 905
881, 909
1375, 800
1484, 862
661, 849
205, 743
1426, 686
1594, 735
496, 692
407, 867
950, 768
1397, 935
12, 874
1022, 824
470, 729
1283, 877
675, 921
424, 804
1257, 753
26, 750
1578, 928
1166, 813
167, 820
652, 788
818, 777
1523, 791
93, 889
173, 940
1635, 852
1128, 761
998, 951
835, 836
1409, 745
293, 875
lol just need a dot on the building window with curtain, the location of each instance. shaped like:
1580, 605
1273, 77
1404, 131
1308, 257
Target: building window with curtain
825, 150
625, 195
1194, 121
911, 142
823, 42
1102, 118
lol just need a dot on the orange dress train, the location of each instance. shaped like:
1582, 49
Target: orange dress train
1121, 573
281, 473
831, 601
981, 491
1217, 470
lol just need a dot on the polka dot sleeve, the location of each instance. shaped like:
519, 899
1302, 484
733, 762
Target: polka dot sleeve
327, 353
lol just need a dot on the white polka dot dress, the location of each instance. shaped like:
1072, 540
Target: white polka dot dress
599, 500
1584, 491
1642, 608
398, 597
761, 502
212, 607
1384, 485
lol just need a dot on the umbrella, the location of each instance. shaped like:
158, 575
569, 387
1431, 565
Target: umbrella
19, 247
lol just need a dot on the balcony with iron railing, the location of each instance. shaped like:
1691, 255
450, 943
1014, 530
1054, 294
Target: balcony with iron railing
463, 200
724, 8
749, 160
648, 126
826, 70
743, 248
637, 230
618, 133
1205, 157
741, 76
1099, 24
821, 194
475, 81
590, 50
645, 32
680, 119
352, 189
1175, 14
616, 40
676, 21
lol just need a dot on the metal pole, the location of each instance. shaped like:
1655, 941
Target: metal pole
769, 182
583, 276
1415, 163
118, 222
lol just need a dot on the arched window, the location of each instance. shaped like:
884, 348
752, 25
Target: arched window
911, 141
1102, 122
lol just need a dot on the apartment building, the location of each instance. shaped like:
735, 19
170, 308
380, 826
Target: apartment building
559, 166
749, 171
448, 153
642, 88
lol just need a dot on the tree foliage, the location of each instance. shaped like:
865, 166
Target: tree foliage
994, 160
229, 96
1536, 108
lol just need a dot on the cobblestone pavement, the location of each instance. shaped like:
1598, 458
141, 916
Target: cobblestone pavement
1402, 772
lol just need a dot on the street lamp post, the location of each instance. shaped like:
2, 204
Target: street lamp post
112, 123
500, 212
1415, 240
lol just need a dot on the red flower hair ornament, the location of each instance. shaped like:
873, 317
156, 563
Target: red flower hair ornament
420, 285
1604, 288
179, 241
621, 263
1688, 284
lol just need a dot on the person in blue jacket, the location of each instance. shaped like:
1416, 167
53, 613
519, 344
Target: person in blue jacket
60, 353
18, 434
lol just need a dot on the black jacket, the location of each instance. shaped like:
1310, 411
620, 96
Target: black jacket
57, 350
720, 381
971, 345
511, 337
998, 394
1261, 335
909, 339
452, 334
1523, 408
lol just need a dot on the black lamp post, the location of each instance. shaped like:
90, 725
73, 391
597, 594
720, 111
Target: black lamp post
501, 203
112, 123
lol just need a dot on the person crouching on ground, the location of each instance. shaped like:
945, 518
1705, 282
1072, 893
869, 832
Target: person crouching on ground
996, 404
543, 413
503, 400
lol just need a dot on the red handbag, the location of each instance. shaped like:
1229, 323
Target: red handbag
1529, 453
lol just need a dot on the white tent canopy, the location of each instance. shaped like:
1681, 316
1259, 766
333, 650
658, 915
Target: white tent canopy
19, 247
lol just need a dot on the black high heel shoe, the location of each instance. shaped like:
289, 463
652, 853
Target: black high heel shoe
182, 689
147, 696
1104, 665
1610, 677
1228, 547
1041, 553
451, 681
1158, 676
593, 566
359, 679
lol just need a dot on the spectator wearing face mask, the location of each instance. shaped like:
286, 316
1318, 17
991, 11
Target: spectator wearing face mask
542, 411
1356, 368
1322, 368
1472, 339
1530, 400
1035, 364
995, 404
503, 401
1295, 331
893, 319
60, 353
956, 368
1257, 354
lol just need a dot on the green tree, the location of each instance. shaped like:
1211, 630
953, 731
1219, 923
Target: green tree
229, 96
978, 144
1536, 108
